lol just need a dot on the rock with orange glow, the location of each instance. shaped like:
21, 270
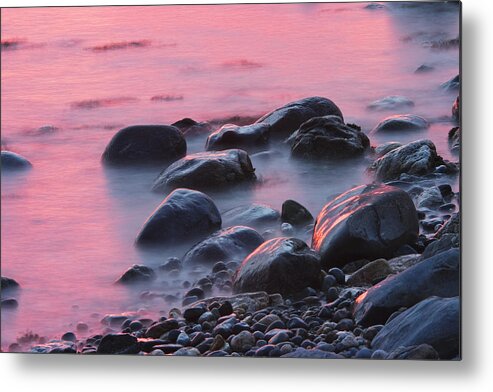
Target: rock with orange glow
366, 222
328, 138
206, 170
145, 144
288, 118
185, 215
281, 265
417, 158
401, 122
233, 136
438, 275
229, 244
434, 321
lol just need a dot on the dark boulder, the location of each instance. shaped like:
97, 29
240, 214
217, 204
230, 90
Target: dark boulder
392, 102
452, 84
230, 244
55, 347
137, 274
295, 214
383, 149
416, 158
8, 283
434, 321
422, 351
451, 226
185, 215
206, 170
454, 140
401, 122
288, 118
438, 275
328, 138
192, 128
366, 222
257, 216
281, 265
120, 343
13, 161
142, 144
234, 136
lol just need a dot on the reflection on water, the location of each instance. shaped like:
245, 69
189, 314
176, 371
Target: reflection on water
68, 225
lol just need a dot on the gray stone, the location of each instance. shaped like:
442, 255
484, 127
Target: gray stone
371, 272
383, 149
294, 213
391, 102
454, 140
402, 122
452, 84
423, 351
300, 352
137, 274
257, 216
246, 137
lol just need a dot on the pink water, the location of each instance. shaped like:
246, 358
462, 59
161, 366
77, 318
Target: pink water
68, 225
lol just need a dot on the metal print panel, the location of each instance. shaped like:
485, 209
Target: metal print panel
264, 180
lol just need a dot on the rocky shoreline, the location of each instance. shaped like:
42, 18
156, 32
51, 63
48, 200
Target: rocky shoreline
376, 273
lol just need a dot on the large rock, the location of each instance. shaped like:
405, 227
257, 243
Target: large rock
295, 214
416, 158
185, 215
281, 265
257, 216
452, 84
8, 283
234, 136
328, 138
121, 343
12, 161
288, 118
434, 321
401, 122
145, 144
454, 140
206, 170
366, 222
392, 102
230, 244
137, 274
192, 128
456, 110
438, 275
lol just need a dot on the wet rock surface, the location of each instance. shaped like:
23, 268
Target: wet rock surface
184, 215
364, 222
257, 216
247, 137
402, 122
13, 161
207, 170
392, 102
143, 144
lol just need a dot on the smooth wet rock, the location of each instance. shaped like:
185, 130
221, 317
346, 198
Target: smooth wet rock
122, 343
207, 170
392, 102
295, 214
231, 244
328, 138
257, 216
452, 84
383, 149
192, 128
185, 215
401, 122
8, 283
288, 118
436, 276
444, 243
156, 330
434, 321
424, 68
9, 303
246, 137
243, 341
376, 270
55, 347
366, 222
137, 274
454, 140
13, 161
417, 158
419, 352
145, 144
281, 265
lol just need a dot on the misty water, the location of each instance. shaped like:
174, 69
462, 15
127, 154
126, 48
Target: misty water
76, 76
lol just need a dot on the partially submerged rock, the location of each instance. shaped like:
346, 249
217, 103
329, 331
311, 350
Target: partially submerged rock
55, 347
257, 216
231, 244
206, 170
185, 215
416, 158
192, 128
392, 102
295, 214
281, 265
454, 140
13, 161
8, 283
366, 222
438, 275
434, 321
383, 149
233, 136
288, 118
140, 144
401, 122
137, 274
452, 84
328, 138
